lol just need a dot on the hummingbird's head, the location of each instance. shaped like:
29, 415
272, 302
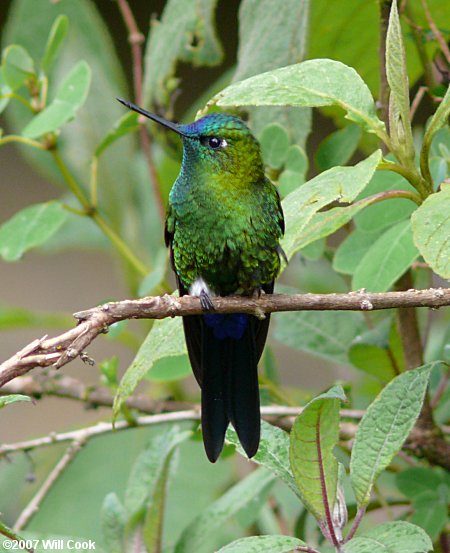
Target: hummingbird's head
218, 143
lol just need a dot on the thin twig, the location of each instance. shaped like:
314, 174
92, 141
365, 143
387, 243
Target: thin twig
64, 348
62, 464
136, 39
83, 434
416, 102
436, 32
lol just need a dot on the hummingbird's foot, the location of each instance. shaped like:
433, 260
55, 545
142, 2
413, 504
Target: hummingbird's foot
201, 290
206, 301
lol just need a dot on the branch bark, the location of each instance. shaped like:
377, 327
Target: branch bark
62, 349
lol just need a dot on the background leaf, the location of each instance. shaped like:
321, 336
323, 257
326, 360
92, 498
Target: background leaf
338, 147
256, 484
165, 339
55, 40
29, 228
386, 259
273, 452
384, 427
185, 33
431, 231
352, 249
17, 66
12, 398
113, 518
263, 47
70, 97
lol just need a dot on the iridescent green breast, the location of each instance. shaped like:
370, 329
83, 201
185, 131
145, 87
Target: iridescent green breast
227, 236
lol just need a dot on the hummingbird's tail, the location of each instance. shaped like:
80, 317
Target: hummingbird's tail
230, 393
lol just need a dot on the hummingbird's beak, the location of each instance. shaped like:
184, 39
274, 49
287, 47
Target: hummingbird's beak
168, 124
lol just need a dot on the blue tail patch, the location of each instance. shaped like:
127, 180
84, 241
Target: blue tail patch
227, 326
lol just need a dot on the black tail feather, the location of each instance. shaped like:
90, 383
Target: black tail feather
214, 409
243, 396
230, 390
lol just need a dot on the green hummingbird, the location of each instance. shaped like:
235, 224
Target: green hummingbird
223, 227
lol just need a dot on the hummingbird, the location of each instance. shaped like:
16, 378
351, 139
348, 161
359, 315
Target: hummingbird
223, 227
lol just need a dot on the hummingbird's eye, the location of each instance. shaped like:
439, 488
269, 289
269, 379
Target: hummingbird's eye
214, 142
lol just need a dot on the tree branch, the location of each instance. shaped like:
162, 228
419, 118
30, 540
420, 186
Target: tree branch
62, 349
62, 464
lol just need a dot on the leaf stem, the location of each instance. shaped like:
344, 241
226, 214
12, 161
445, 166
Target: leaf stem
19, 98
356, 522
117, 242
410, 174
21, 140
392, 194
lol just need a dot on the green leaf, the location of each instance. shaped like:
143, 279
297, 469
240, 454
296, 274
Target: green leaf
372, 352
386, 213
263, 544
70, 97
126, 124
312, 83
339, 183
438, 121
327, 335
229, 504
430, 511
18, 317
147, 469
416, 481
296, 160
384, 427
4, 91
186, 34
154, 517
273, 452
431, 231
397, 77
155, 277
170, 368
17, 65
55, 40
351, 250
295, 169
314, 435
274, 141
429, 494
278, 49
165, 339
12, 398
29, 228
386, 260
324, 223
391, 537
338, 147
113, 519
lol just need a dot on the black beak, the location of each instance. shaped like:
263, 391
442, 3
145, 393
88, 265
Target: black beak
168, 124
